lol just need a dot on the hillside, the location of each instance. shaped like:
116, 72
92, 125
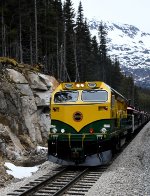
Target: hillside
131, 46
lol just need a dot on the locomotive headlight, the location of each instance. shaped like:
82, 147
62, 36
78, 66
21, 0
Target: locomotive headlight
54, 130
103, 130
62, 130
106, 125
77, 85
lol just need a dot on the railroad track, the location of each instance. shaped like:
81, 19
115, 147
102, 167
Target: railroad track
85, 182
65, 181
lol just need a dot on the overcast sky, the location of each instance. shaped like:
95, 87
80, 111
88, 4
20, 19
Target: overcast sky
132, 12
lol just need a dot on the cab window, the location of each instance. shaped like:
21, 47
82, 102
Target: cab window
94, 96
66, 96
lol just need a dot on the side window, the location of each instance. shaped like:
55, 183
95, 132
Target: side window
112, 101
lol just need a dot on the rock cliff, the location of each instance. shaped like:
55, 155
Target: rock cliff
24, 109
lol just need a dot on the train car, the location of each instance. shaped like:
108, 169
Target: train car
88, 120
135, 119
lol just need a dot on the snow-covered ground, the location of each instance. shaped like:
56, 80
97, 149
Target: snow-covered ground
20, 172
42, 169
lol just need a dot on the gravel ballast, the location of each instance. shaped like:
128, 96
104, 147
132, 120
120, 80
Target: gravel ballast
128, 175
44, 169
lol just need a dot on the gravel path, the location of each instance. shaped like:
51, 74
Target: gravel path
129, 175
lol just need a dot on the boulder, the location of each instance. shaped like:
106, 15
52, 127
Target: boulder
35, 82
16, 76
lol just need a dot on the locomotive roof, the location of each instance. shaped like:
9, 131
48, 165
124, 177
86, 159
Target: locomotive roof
90, 85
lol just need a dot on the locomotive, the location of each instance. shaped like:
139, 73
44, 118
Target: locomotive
88, 121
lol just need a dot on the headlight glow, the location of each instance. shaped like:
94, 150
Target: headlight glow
107, 125
62, 130
78, 85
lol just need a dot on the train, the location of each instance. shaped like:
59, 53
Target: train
89, 121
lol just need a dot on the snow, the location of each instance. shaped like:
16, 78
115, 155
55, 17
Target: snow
18, 171
124, 40
130, 45
41, 148
22, 172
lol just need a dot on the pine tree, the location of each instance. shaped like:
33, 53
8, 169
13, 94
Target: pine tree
115, 75
48, 35
27, 31
95, 74
109, 66
103, 51
127, 88
69, 63
8, 32
87, 52
79, 40
59, 34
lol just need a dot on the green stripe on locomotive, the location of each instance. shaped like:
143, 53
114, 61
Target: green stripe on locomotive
95, 126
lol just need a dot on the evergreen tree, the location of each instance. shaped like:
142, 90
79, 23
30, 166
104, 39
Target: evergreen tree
79, 40
127, 88
50, 31
35, 31
59, 34
143, 99
8, 32
87, 66
69, 25
115, 75
28, 31
95, 72
103, 51
109, 64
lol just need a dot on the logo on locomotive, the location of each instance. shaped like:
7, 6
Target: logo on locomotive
77, 116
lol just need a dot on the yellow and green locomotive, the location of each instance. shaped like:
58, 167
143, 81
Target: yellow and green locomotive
88, 120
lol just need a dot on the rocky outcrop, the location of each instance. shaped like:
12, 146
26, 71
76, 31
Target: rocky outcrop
24, 110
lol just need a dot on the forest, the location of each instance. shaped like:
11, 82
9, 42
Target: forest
51, 34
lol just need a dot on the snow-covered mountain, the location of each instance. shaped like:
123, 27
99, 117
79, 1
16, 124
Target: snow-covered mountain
131, 46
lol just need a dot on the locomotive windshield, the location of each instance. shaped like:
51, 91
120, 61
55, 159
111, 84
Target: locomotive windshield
66, 96
94, 96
